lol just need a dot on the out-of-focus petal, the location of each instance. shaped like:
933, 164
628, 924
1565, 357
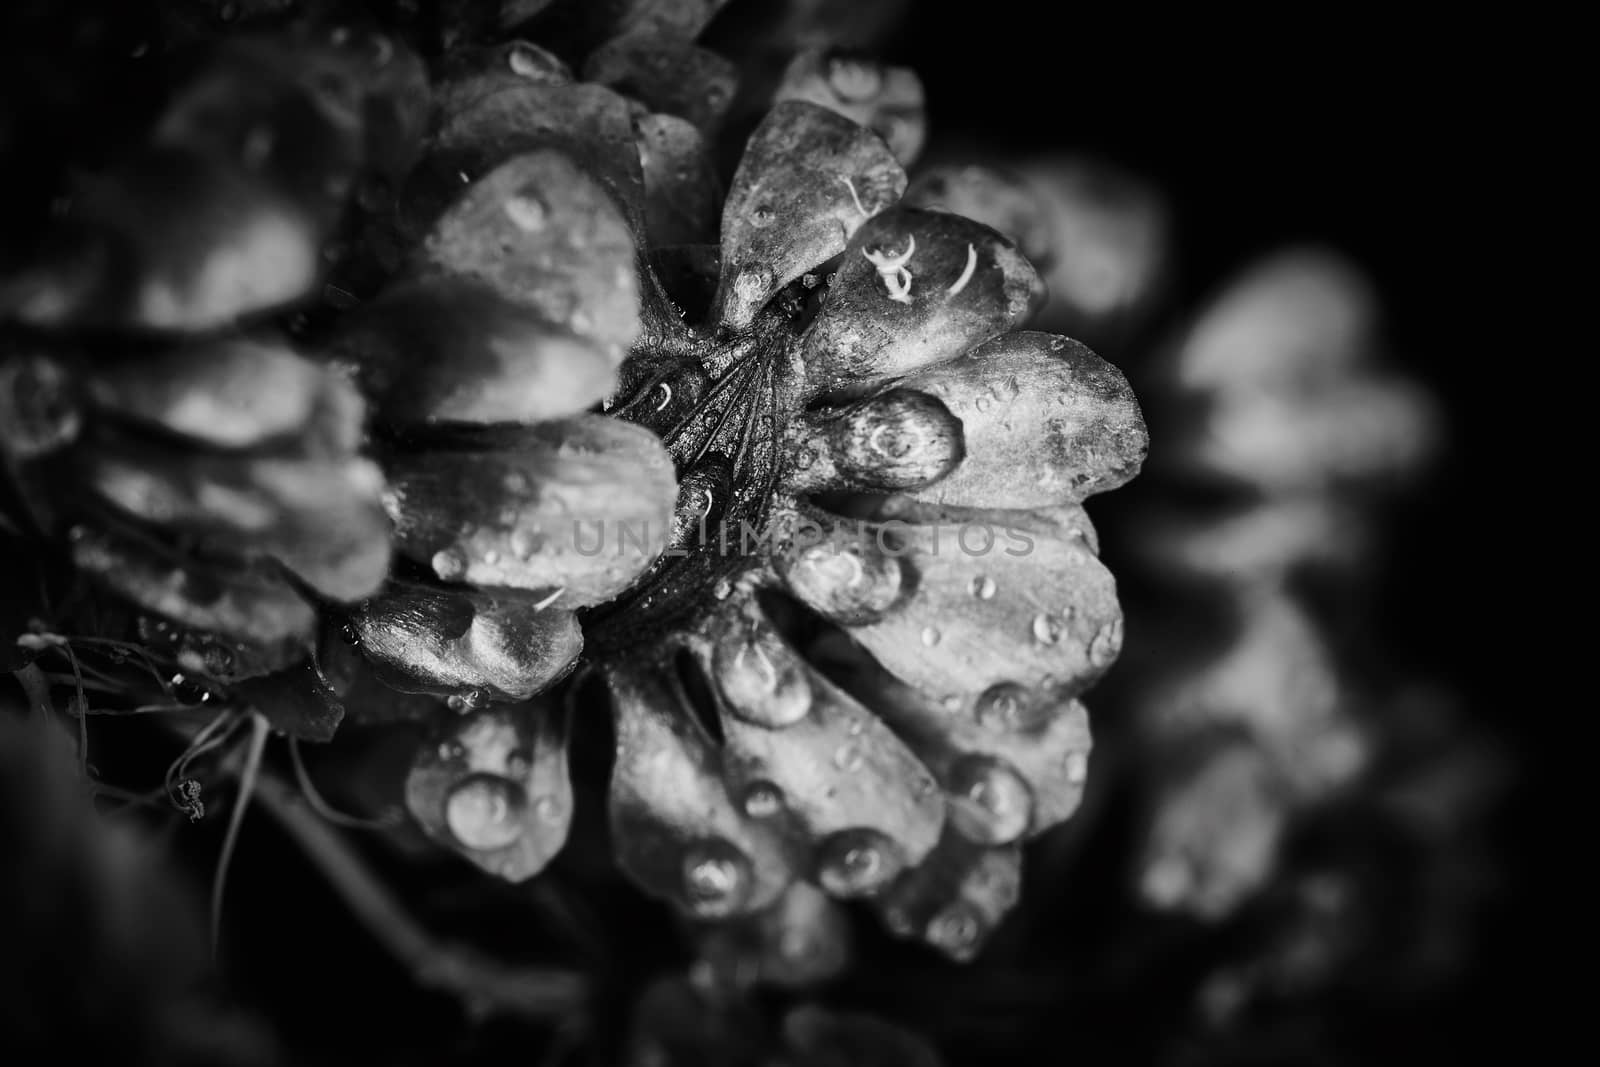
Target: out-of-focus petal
228, 392
321, 517
470, 645
40, 407
957, 897
580, 505
675, 829
668, 74
455, 350
541, 233
887, 100
999, 200
246, 604
801, 940
816, 1037
915, 288
808, 180
1044, 422
681, 187
493, 785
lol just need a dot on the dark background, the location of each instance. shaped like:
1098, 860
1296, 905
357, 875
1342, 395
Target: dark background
1390, 144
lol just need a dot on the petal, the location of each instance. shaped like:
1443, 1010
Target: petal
473, 646
289, 115
1312, 440
955, 899
1012, 760
668, 74
297, 702
245, 604
999, 200
966, 285
681, 187
354, 678
1044, 420
675, 830
229, 392
589, 124
40, 410
493, 785
1108, 232
468, 76
1265, 541
1302, 316
174, 242
801, 940
581, 505
887, 100
984, 600
541, 233
820, 1037
808, 180
454, 350
321, 517
830, 766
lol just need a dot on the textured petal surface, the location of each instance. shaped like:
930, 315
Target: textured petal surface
962, 284
808, 180
474, 646
667, 73
1044, 421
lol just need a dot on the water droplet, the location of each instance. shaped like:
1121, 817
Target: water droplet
856, 862
483, 812
1007, 706
1047, 629
456, 702
449, 564
664, 395
930, 636
982, 402
716, 878
983, 587
762, 680
523, 61
848, 758
491, 557
762, 216
805, 459
349, 633
763, 800
1076, 767
955, 929
187, 691
1106, 644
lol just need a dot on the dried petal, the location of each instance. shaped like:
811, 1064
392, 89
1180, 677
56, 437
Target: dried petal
581, 505
808, 180
915, 288
1045, 421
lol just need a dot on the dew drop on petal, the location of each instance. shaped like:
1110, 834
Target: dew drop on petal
930, 636
983, 587
762, 800
955, 929
449, 564
848, 757
982, 402
1076, 767
989, 802
855, 862
716, 878
483, 811
1007, 706
1046, 628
